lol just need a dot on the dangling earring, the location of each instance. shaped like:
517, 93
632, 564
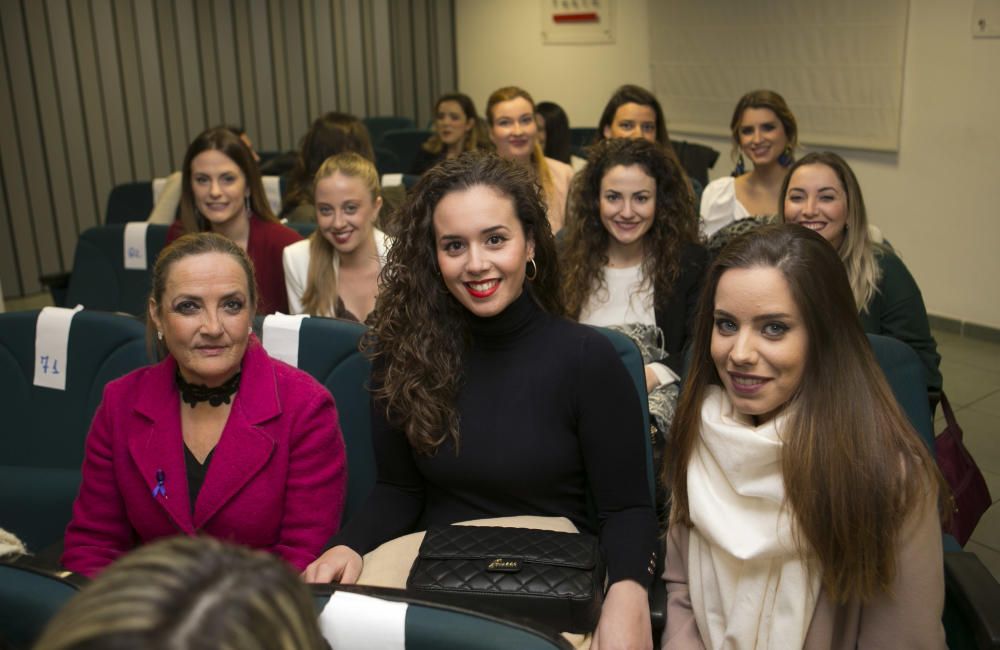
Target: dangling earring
741, 167
159, 335
785, 159
534, 270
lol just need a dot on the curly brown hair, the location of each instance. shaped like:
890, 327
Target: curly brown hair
584, 253
419, 331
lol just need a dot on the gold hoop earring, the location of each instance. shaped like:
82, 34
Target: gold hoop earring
534, 269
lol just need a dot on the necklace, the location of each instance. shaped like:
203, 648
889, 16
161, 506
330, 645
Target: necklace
194, 393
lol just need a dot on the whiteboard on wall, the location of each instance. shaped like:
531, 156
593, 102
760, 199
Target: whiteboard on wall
839, 65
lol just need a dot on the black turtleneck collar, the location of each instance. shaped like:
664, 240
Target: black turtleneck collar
508, 325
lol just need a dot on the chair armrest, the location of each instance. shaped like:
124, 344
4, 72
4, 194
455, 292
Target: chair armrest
658, 596
970, 586
56, 280
45, 567
58, 285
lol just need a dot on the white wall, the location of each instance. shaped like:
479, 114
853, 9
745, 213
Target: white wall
500, 44
937, 199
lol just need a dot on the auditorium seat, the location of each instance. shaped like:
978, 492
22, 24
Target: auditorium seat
377, 126
41, 449
405, 144
100, 281
407, 622
129, 202
972, 594
30, 596
328, 350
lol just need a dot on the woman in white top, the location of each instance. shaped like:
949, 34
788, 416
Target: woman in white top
630, 254
510, 114
805, 507
765, 132
335, 271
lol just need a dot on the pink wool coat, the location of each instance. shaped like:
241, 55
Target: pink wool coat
276, 480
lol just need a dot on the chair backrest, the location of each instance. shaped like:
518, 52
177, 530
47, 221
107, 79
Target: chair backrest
405, 143
129, 202
905, 373
632, 358
328, 350
41, 448
377, 126
29, 598
100, 280
304, 228
409, 623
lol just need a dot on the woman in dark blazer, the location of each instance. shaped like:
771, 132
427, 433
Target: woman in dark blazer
218, 438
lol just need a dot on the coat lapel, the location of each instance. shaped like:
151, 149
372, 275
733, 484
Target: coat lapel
245, 447
157, 447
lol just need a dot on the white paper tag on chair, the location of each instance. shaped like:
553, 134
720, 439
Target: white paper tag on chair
392, 180
158, 185
135, 245
51, 346
281, 337
272, 187
358, 621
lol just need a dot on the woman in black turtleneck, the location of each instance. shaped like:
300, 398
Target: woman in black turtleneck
487, 401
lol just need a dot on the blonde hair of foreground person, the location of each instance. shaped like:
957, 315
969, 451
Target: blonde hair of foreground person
189, 593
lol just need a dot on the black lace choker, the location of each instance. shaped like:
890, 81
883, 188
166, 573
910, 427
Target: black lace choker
194, 393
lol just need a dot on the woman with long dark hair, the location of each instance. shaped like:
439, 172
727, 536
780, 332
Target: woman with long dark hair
805, 507
222, 193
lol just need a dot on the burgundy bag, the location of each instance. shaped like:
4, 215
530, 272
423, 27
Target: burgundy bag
968, 487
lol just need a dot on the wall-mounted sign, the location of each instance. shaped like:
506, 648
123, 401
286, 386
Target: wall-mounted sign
577, 22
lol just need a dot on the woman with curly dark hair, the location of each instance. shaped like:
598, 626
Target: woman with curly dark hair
486, 401
630, 254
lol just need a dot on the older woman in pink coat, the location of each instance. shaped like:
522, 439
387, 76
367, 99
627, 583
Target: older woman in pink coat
218, 438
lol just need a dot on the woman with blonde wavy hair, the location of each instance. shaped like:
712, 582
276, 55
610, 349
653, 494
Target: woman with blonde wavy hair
335, 271
510, 114
822, 193
188, 592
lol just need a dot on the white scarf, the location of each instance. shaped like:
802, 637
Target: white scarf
749, 586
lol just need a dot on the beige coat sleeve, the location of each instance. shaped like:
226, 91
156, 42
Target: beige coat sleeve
681, 631
909, 615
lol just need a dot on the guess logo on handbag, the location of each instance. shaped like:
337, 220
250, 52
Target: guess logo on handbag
502, 565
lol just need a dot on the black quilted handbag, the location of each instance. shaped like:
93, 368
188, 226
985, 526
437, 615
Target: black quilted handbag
554, 578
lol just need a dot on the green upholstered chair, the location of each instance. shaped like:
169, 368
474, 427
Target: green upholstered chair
972, 594
29, 597
632, 358
328, 350
377, 126
432, 626
129, 202
304, 228
42, 440
629, 353
100, 281
405, 143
